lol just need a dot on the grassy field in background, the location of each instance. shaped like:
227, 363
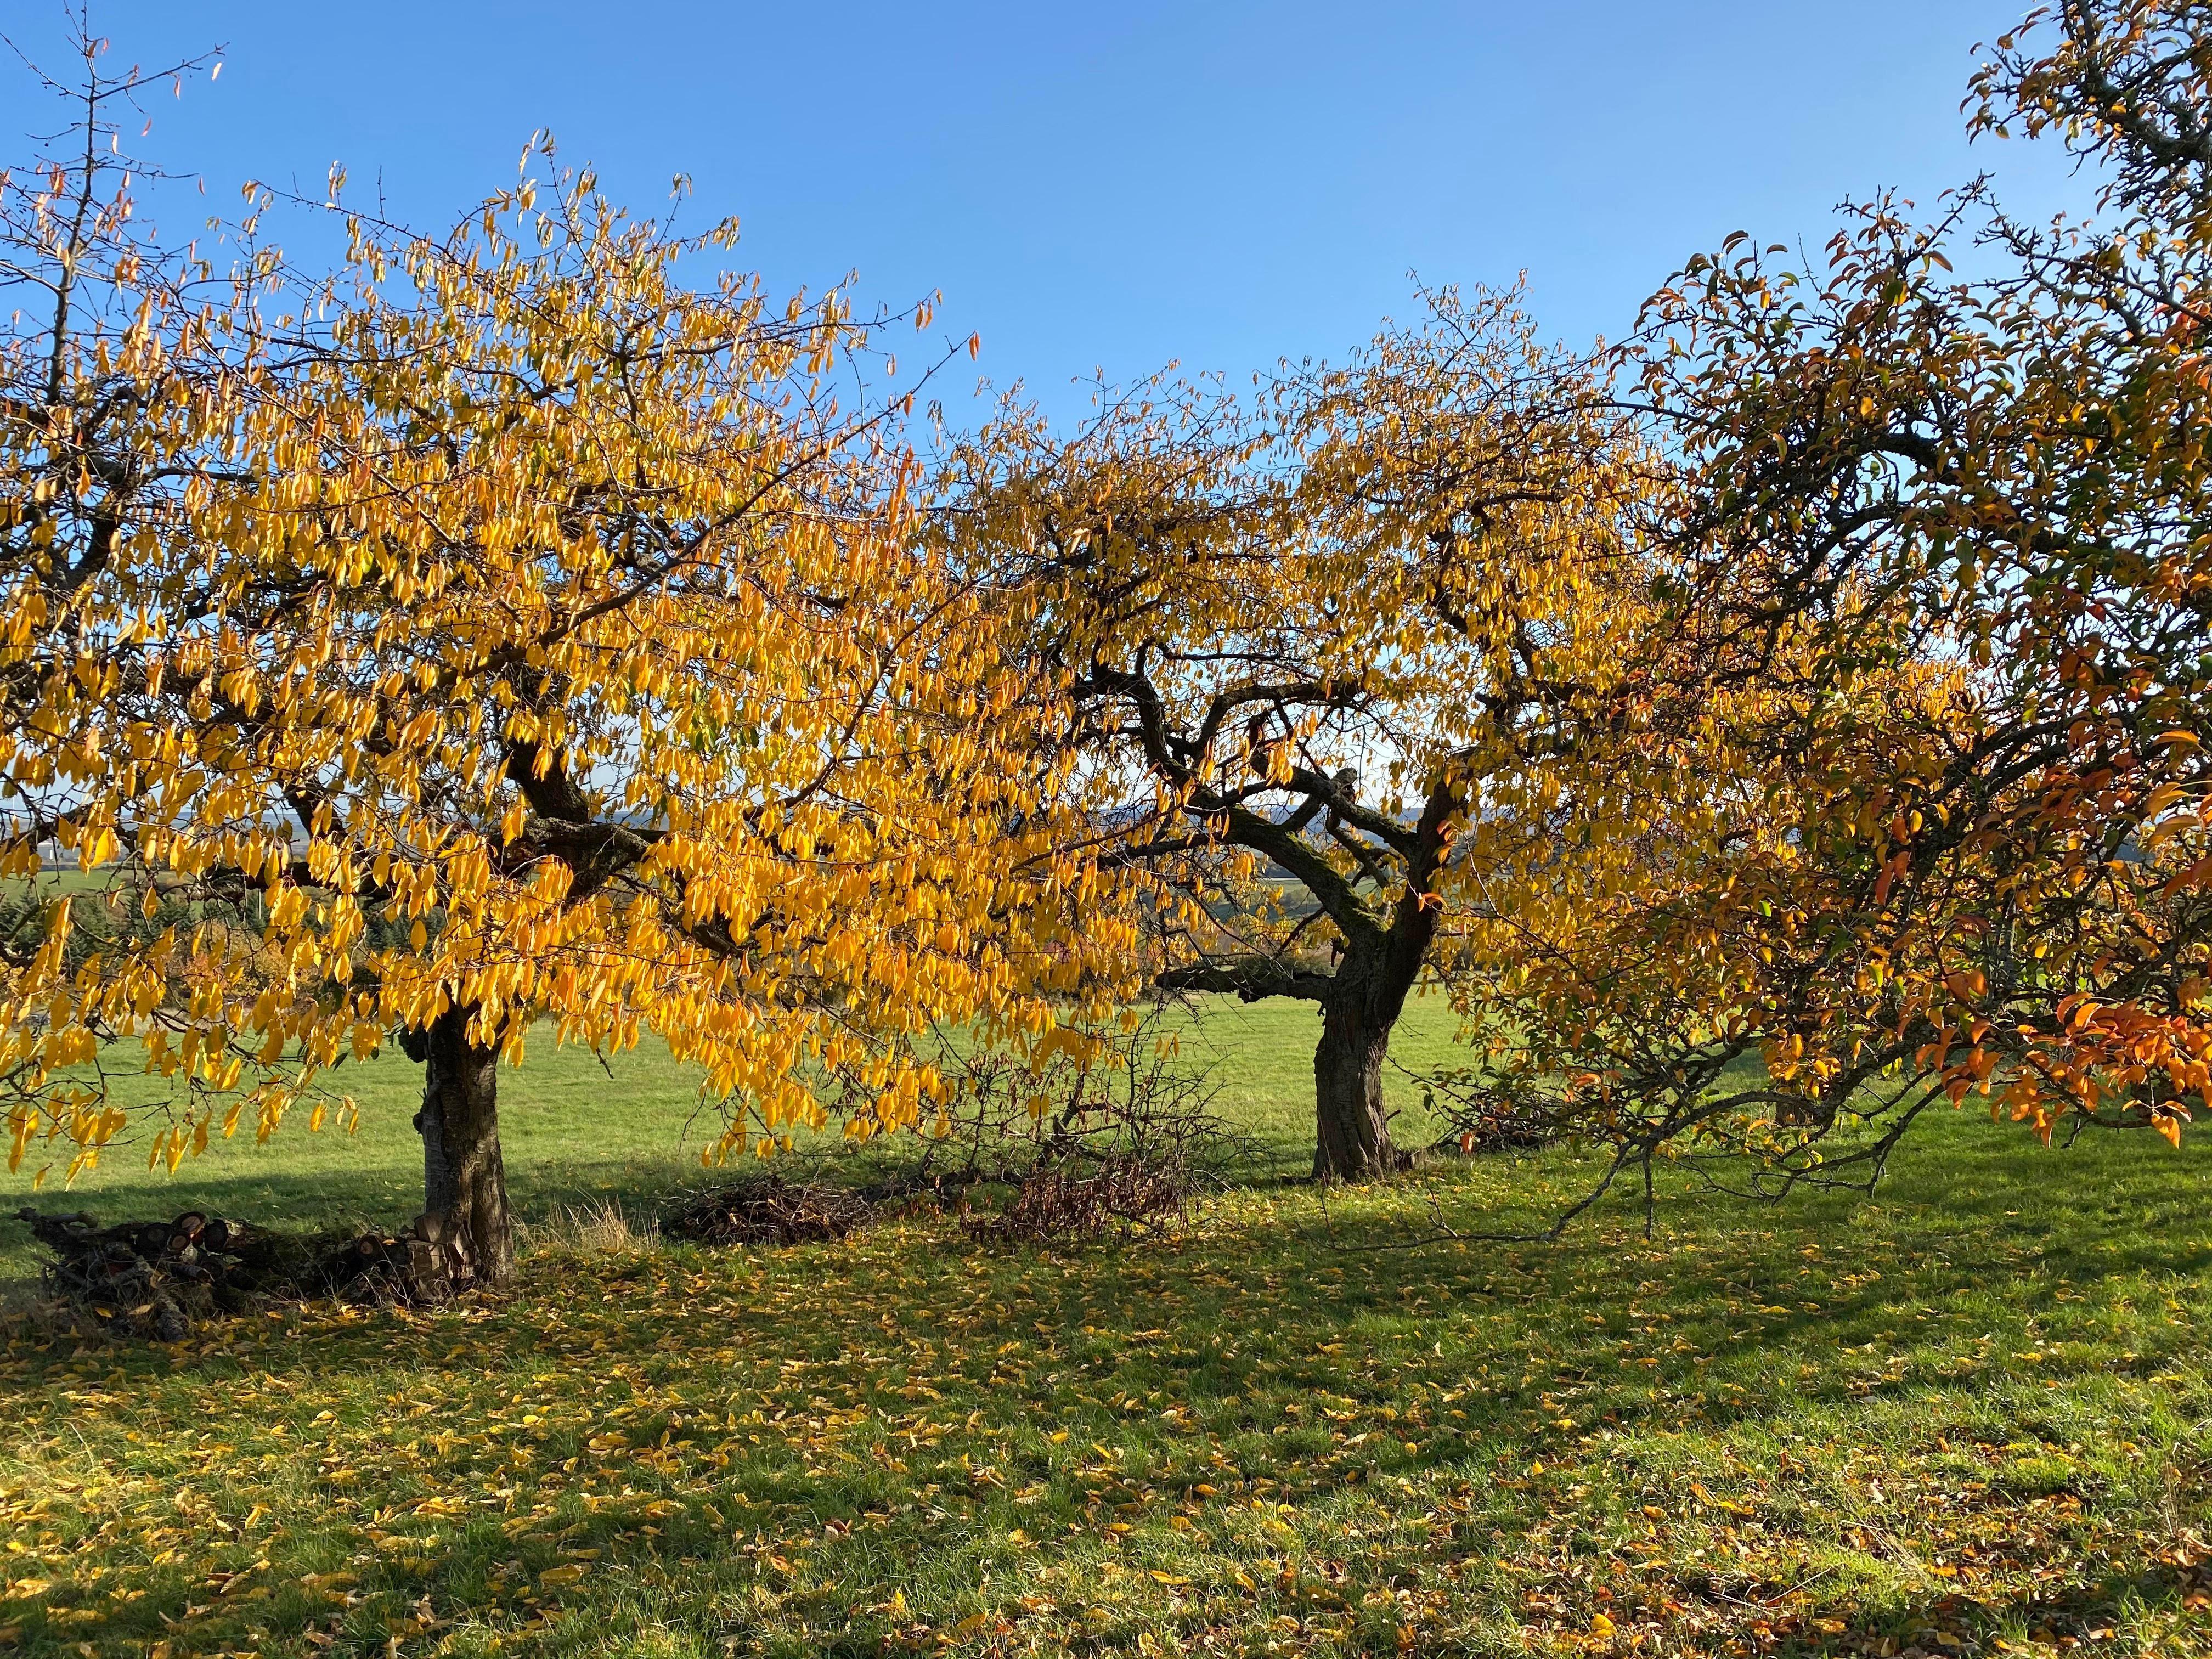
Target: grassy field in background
575, 1132
1968, 1415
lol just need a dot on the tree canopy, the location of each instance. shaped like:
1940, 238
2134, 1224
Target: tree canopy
1760, 730
1783, 721
1337, 664
497, 631
2008, 475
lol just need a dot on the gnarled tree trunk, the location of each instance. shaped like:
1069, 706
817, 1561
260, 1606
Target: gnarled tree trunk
1352, 1130
463, 1179
1364, 998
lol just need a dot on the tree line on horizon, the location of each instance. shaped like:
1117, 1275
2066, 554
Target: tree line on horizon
1762, 730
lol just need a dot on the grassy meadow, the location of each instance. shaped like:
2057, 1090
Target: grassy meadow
1968, 1415
576, 1131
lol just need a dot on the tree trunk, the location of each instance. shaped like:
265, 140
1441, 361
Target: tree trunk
1352, 1130
463, 1179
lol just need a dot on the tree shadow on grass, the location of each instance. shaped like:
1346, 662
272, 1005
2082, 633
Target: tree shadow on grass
1258, 1431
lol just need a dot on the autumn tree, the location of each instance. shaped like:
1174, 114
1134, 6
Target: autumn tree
118, 372
1848, 763
566, 659
1943, 560
1324, 658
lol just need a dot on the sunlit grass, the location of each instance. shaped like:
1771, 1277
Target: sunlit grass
1970, 1411
578, 1130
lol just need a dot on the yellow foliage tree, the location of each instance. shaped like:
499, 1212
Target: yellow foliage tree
2003, 891
500, 632
1939, 566
1343, 669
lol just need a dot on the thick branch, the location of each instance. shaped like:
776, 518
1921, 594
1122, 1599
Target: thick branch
1249, 979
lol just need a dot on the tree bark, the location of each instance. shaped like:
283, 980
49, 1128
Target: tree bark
463, 1178
1364, 997
1351, 1136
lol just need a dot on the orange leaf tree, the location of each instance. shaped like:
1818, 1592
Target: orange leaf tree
1997, 489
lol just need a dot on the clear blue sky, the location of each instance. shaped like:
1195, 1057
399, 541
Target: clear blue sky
1115, 185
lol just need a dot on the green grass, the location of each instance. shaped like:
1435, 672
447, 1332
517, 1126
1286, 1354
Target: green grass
1965, 1416
53, 881
574, 1131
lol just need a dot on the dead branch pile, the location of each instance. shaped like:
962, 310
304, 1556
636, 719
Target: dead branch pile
1119, 1142
1116, 1136
1128, 1193
160, 1279
422, 1266
765, 1209
157, 1278
1487, 1114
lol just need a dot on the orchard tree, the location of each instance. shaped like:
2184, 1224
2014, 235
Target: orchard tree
123, 366
1337, 667
1947, 575
2027, 456
568, 660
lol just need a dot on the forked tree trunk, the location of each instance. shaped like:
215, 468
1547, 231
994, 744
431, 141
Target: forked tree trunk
463, 1178
1352, 1129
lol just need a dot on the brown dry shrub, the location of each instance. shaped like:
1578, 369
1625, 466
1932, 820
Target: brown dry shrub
1487, 1114
1119, 1143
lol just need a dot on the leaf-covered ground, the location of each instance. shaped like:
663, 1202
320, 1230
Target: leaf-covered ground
1968, 1416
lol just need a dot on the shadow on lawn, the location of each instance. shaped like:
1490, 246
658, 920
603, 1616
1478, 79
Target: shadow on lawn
1814, 1429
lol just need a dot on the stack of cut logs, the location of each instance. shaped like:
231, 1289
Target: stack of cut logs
421, 1265
157, 1278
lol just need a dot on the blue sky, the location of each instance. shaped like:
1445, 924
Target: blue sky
1116, 185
